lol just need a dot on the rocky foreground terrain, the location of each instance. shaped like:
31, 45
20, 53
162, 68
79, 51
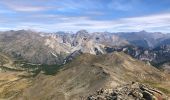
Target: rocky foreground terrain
133, 91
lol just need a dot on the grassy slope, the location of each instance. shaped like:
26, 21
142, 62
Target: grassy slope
81, 77
87, 73
18, 75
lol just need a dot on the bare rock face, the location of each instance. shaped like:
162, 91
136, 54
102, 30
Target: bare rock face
133, 91
41, 48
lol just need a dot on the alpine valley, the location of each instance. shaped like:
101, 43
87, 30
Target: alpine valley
84, 66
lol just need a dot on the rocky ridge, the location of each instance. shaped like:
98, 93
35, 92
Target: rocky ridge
132, 91
87, 73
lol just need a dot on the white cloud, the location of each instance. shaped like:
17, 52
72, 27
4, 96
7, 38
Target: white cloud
152, 22
28, 8
158, 22
24, 6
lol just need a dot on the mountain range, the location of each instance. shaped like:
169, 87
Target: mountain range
72, 66
55, 48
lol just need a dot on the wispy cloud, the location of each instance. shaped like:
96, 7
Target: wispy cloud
68, 5
28, 8
159, 22
25, 5
93, 15
151, 23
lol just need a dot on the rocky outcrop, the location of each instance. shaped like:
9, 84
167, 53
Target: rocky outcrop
133, 91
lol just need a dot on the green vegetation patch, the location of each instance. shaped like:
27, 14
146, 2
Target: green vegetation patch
50, 69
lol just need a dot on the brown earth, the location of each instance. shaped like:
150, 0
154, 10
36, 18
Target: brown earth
88, 73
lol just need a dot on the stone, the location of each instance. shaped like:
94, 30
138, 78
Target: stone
133, 91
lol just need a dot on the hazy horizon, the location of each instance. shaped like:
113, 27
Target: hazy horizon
73, 32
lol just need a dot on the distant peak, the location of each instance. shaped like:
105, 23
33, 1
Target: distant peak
143, 31
82, 31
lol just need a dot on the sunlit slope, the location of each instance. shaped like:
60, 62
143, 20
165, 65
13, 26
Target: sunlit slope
87, 73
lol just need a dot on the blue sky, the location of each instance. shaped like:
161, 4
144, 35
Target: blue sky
92, 15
